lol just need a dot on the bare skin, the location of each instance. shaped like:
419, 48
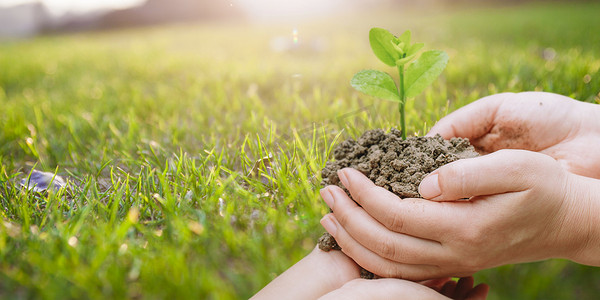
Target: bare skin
312, 277
389, 288
547, 123
333, 275
523, 206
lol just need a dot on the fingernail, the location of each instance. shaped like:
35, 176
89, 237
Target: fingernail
327, 197
329, 225
342, 175
430, 187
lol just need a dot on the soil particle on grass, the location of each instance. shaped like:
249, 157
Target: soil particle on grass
390, 162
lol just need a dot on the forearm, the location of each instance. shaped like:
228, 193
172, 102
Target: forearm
312, 277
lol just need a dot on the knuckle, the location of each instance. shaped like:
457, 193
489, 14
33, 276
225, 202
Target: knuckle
527, 162
471, 253
387, 271
473, 235
395, 222
450, 179
342, 215
473, 264
386, 248
346, 215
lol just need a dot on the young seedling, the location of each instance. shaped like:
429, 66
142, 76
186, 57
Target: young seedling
414, 76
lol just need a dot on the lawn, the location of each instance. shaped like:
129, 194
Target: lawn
159, 131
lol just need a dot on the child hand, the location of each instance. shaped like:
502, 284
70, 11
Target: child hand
548, 123
315, 275
523, 207
403, 289
336, 276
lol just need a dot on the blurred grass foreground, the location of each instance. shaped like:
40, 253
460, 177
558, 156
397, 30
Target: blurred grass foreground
160, 132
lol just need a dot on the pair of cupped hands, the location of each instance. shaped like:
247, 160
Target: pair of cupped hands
534, 194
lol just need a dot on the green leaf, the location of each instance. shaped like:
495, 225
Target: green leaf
423, 71
381, 42
414, 48
377, 84
405, 38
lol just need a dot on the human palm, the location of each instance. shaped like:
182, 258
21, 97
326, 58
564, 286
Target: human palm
555, 125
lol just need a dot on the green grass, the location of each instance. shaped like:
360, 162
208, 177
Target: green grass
157, 129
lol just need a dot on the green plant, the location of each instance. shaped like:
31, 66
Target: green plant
414, 77
173, 143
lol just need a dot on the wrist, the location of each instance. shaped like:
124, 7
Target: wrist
585, 215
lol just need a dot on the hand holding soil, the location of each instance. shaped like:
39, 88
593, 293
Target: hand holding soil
523, 207
392, 163
552, 124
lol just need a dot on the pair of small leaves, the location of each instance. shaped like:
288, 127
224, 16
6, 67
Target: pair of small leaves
397, 51
420, 74
391, 50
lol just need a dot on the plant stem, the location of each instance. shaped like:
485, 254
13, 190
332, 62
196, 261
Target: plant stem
402, 101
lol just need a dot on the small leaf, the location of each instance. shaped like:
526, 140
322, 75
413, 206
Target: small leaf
423, 71
405, 38
381, 43
414, 48
377, 84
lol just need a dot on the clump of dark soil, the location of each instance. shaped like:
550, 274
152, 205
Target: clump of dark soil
390, 162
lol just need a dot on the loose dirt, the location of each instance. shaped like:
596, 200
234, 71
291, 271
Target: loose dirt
390, 162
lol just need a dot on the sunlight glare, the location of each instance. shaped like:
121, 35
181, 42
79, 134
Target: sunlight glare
60, 7
281, 10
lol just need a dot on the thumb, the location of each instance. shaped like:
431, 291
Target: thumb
503, 171
471, 121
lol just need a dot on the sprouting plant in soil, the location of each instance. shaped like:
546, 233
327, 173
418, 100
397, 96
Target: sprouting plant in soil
413, 76
389, 159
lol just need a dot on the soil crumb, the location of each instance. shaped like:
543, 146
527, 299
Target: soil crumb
390, 162
327, 243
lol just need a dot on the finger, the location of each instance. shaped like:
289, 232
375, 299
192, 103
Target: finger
435, 284
479, 292
448, 288
463, 287
471, 121
410, 216
376, 237
372, 262
386, 288
499, 172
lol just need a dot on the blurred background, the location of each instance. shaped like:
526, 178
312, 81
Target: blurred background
158, 109
22, 18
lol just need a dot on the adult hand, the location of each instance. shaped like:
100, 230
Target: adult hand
402, 289
523, 207
558, 126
